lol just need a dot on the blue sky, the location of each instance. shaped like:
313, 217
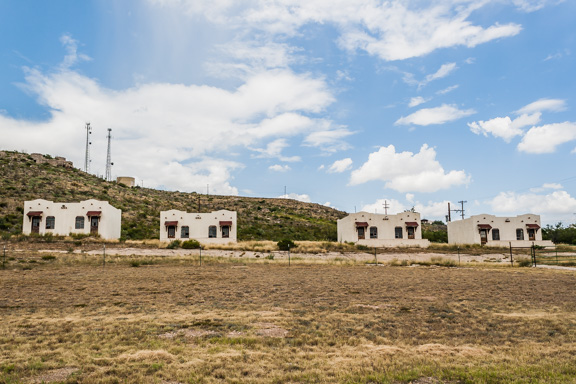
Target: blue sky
344, 102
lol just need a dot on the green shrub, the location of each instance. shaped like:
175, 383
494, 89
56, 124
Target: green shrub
286, 244
191, 244
524, 262
48, 257
174, 244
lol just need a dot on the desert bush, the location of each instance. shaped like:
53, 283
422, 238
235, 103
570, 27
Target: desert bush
174, 244
191, 244
524, 262
285, 245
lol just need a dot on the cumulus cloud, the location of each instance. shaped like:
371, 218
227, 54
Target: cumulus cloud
174, 136
504, 127
295, 196
388, 30
438, 115
554, 206
546, 138
279, 168
340, 166
546, 186
435, 210
407, 171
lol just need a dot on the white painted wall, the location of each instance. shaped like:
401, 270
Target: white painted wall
386, 225
198, 224
109, 225
467, 231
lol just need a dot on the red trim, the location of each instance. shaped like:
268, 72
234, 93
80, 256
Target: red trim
534, 226
361, 224
484, 226
94, 213
411, 224
171, 223
223, 223
34, 213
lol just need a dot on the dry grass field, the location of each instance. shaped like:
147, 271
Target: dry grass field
151, 320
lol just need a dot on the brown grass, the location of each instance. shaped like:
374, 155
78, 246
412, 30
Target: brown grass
269, 323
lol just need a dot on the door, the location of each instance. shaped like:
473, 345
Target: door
361, 234
94, 225
483, 236
531, 234
171, 231
36, 224
410, 231
225, 231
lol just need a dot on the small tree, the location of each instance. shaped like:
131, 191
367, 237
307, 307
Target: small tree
191, 244
286, 244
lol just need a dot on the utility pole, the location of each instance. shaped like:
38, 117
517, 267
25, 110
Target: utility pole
461, 210
87, 153
109, 162
386, 206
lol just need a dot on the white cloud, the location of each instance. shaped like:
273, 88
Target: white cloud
533, 5
444, 71
546, 138
172, 135
279, 168
447, 90
551, 105
340, 166
554, 206
329, 140
546, 186
72, 56
438, 115
389, 30
294, 196
416, 101
394, 206
504, 127
408, 172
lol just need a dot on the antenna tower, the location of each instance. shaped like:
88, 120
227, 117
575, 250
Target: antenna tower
88, 143
109, 162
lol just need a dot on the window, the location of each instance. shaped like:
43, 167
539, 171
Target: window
79, 222
212, 231
495, 234
398, 232
50, 222
185, 232
373, 232
519, 234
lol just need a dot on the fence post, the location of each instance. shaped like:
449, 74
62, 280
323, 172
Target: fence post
533, 251
458, 255
200, 255
511, 257
4, 259
288, 254
556, 249
104, 256
375, 257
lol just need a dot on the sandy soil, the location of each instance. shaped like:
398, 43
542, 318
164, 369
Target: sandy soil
279, 255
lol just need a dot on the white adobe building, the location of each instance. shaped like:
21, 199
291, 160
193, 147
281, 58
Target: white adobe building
89, 217
218, 227
381, 230
490, 230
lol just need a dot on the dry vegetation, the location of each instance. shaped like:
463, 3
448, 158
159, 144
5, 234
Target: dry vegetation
65, 318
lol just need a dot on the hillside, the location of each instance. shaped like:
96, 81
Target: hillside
22, 178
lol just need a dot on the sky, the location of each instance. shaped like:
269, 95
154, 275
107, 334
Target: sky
346, 103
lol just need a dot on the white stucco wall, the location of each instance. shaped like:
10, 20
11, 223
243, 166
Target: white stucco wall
109, 225
467, 231
198, 224
386, 225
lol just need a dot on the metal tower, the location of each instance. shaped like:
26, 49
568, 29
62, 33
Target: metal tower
109, 162
88, 143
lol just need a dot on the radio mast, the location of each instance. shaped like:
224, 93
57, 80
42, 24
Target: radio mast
88, 143
109, 162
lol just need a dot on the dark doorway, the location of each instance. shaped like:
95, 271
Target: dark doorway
94, 220
36, 224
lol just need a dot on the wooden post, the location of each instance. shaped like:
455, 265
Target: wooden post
104, 256
511, 259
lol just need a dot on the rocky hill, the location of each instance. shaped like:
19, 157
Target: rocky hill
26, 177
